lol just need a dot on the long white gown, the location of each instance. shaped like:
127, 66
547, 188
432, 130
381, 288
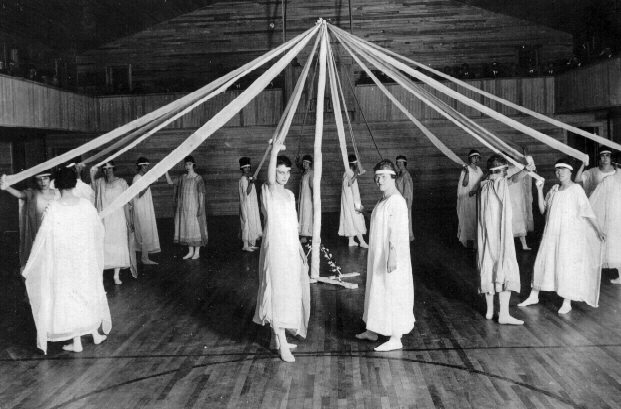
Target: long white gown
496, 259
521, 194
145, 225
305, 207
569, 257
593, 177
64, 274
467, 206
351, 223
283, 298
606, 203
405, 186
389, 297
116, 242
249, 218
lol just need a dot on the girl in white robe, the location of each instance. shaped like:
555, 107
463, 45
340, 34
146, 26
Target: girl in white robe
606, 200
250, 221
589, 179
469, 183
522, 207
569, 257
389, 297
64, 272
305, 205
283, 299
351, 222
496, 259
119, 249
405, 186
145, 225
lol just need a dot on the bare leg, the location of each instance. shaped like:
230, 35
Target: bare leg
489, 299
190, 253
275, 343
98, 338
393, 343
352, 242
524, 245
145, 257
75, 346
285, 354
566, 307
197, 252
504, 317
368, 335
532, 299
117, 280
363, 243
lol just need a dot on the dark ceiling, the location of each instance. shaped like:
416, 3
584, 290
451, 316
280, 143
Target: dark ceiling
79, 25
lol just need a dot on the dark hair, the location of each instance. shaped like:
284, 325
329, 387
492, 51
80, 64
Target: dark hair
65, 179
141, 159
308, 158
604, 148
386, 164
110, 162
189, 159
401, 157
566, 160
283, 160
494, 161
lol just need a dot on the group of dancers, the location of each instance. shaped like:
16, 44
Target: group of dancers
582, 233
65, 247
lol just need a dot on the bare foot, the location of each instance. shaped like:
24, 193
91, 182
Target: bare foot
118, 281
248, 249
254, 248
509, 320
364, 245
367, 335
189, 255
526, 248
98, 338
274, 344
390, 345
72, 348
529, 301
564, 309
489, 315
149, 262
196, 256
616, 280
312, 280
285, 354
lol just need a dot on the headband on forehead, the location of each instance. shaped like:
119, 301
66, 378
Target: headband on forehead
143, 163
245, 166
500, 167
564, 165
40, 175
402, 160
474, 154
385, 171
353, 161
605, 151
306, 160
107, 166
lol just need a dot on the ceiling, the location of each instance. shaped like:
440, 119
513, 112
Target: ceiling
80, 25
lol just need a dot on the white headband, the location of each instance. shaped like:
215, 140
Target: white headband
72, 164
500, 167
306, 160
402, 160
385, 171
108, 166
143, 163
244, 166
564, 165
40, 175
355, 161
605, 151
474, 154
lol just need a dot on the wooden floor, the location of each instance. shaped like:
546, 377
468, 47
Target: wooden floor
183, 337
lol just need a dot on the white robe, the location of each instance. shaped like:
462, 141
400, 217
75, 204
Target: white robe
569, 257
351, 223
305, 205
521, 194
467, 206
496, 259
64, 274
283, 298
389, 297
145, 225
593, 177
606, 203
249, 218
405, 186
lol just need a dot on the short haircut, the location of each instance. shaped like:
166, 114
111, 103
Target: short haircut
283, 160
495, 161
65, 179
386, 164
189, 159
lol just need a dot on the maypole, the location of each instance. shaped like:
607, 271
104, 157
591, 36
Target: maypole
321, 88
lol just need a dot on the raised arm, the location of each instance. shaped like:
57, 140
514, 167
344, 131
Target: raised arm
466, 176
520, 175
271, 169
168, 179
353, 179
93, 172
4, 186
251, 181
540, 198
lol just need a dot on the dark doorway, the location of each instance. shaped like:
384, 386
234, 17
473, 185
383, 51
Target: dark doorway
585, 145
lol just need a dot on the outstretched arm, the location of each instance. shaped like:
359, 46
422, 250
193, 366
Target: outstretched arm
520, 175
4, 186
